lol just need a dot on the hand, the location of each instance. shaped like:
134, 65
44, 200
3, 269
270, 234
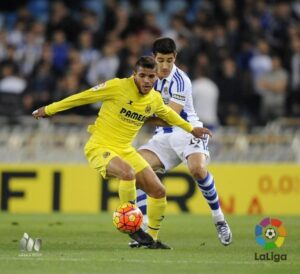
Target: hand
201, 132
39, 113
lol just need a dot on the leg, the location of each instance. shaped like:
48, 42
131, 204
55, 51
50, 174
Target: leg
151, 158
127, 192
157, 202
141, 202
122, 170
108, 163
149, 182
155, 163
197, 166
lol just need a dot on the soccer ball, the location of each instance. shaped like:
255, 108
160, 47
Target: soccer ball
127, 218
270, 233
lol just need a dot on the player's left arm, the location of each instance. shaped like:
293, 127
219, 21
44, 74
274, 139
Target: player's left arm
156, 121
175, 106
180, 94
172, 118
176, 103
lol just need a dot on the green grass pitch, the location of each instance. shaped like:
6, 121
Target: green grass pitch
90, 244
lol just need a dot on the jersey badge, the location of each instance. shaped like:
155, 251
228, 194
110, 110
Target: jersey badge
106, 154
165, 90
148, 109
99, 86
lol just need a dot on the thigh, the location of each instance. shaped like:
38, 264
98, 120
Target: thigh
99, 158
160, 146
151, 158
135, 160
120, 169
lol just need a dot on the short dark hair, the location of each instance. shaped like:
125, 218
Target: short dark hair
164, 45
145, 62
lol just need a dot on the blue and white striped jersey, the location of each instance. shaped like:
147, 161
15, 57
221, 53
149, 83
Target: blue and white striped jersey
177, 87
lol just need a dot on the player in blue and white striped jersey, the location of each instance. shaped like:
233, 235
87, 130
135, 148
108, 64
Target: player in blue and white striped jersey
171, 145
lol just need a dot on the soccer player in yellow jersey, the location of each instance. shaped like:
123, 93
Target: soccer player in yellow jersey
126, 105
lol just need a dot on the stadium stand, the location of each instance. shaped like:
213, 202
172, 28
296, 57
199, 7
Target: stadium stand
51, 49
26, 142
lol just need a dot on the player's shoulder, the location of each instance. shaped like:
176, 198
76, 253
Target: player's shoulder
106, 84
181, 79
126, 83
155, 95
117, 84
112, 86
114, 81
182, 74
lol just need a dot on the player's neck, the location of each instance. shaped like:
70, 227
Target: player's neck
163, 77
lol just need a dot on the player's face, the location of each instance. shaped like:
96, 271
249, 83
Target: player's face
165, 64
144, 79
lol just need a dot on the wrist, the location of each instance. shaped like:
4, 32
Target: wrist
47, 111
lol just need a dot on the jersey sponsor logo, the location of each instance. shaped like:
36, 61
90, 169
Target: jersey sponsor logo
133, 115
99, 86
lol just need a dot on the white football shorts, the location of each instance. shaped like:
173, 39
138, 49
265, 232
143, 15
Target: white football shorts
173, 148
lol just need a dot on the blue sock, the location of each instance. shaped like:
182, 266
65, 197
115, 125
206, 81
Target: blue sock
141, 201
208, 189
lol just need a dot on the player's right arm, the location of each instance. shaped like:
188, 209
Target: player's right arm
102, 92
156, 121
176, 103
172, 118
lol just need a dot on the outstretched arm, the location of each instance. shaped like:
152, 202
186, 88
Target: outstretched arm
82, 98
105, 91
156, 121
172, 118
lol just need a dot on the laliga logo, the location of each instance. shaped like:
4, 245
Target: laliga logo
270, 234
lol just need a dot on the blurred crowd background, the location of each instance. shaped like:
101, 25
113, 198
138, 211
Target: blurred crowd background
243, 56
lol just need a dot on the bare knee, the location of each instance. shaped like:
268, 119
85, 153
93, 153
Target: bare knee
127, 173
148, 181
199, 172
161, 191
158, 192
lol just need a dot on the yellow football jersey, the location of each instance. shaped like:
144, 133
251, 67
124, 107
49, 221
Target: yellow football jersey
123, 111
